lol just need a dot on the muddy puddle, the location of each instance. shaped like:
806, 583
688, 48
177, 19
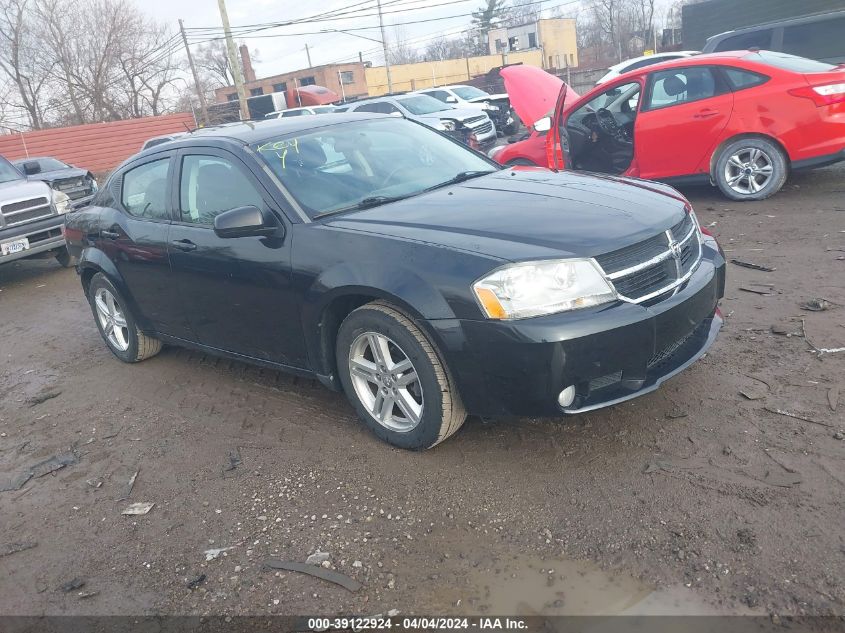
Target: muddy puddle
527, 586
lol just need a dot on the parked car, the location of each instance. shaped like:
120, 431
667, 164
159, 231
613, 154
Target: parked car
816, 37
164, 138
497, 106
641, 62
397, 265
31, 218
469, 126
741, 120
304, 111
79, 184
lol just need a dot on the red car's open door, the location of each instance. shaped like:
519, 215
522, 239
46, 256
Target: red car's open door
554, 138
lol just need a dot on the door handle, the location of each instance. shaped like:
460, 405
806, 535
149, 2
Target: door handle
705, 114
184, 245
109, 235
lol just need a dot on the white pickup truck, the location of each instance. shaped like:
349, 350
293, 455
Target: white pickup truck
31, 218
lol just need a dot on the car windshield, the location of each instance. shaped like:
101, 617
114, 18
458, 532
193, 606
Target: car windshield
366, 163
50, 164
8, 173
790, 62
423, 104
469, 92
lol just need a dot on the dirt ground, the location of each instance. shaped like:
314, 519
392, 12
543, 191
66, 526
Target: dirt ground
698, 498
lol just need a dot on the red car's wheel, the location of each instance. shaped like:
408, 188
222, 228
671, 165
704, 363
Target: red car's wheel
750, 169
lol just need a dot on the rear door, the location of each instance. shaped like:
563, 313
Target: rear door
683, 113
135, 240
235, 292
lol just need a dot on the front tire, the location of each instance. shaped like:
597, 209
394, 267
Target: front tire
750, 169
116, 323
393, 376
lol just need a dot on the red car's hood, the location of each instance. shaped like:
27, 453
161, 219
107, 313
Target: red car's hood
533, 92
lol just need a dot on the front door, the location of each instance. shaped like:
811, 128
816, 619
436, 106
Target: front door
235, 292
684, 112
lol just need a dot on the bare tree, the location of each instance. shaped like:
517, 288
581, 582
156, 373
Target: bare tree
401, 51
521, 12
22, 59
213, 60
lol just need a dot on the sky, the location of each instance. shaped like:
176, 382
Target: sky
284, 51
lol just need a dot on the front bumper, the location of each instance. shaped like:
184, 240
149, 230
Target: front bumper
609, 354
43, 235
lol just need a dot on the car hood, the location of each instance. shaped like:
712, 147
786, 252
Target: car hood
496, 97
529, 213
19, 189
533, 92
60, 174
456, 114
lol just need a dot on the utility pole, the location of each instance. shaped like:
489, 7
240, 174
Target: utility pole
308, 54
384, 47
200, 94
233, 61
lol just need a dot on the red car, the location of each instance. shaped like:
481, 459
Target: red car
741, 120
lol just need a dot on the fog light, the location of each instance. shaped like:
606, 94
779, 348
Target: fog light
567, 396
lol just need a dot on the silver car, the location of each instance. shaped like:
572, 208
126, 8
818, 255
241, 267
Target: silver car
471, 126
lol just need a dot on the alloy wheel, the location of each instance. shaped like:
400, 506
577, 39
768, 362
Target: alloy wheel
112, 319
748, 170
386, 382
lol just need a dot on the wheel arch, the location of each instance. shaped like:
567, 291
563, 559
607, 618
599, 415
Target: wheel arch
93, 261
747, 135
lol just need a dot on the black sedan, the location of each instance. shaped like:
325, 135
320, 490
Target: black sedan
78, 184
395, 264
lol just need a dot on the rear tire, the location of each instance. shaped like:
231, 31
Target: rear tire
116, 323
65, 258
414, 415
750, 169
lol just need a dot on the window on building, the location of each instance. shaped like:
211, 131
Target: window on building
254, 92
307, 81
280, 87
347, 77
232, 97
532, 40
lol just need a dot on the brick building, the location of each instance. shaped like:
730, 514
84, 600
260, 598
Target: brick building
344, 79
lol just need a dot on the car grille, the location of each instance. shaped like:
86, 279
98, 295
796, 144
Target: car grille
484, 128
666, 354
654, 266
25, 211
475, 119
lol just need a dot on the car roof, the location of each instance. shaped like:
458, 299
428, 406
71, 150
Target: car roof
693, 60
248, 132
803, 19
684, 54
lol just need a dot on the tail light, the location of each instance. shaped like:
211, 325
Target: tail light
822, 95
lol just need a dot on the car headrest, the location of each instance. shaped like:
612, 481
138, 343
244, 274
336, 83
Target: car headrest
310, 154
674, 85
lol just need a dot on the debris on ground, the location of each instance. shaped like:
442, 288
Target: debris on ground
344, 581
141, 507
14, 548
676, 414
657, 466
767, 292
94, 483
195, 582
211, 554
815, 305
43, 397
127, 491
797, 416
234, 460
750, 394
839, 435
317, 558
784, 329
833, 397
765, 269
72, 585
38, 470
82, 595
17, 482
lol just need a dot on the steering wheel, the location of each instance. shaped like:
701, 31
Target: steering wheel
606, 122
390, 176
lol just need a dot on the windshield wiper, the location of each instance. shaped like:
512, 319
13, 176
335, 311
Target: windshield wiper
461, 177
366, 203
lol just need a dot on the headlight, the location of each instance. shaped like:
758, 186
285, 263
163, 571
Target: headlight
544, 287
491, 107
94, 186
61, 201
448, 126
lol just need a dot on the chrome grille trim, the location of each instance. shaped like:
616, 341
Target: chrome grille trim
686, 263
26, 210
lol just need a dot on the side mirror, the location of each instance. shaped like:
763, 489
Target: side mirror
31, 167
451, 99
543, 125
246, 222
